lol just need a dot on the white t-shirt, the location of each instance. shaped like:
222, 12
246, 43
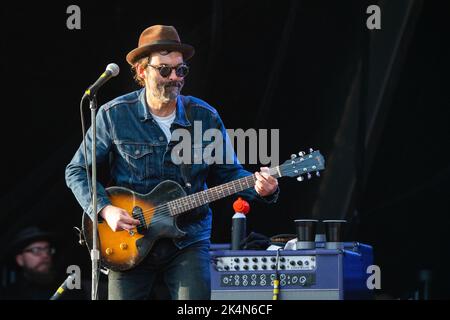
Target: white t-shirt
165, 123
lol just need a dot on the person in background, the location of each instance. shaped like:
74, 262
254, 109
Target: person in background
33, 252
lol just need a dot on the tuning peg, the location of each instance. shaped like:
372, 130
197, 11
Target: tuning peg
293, 156
301, 153
309, 175
300, 178
317, 173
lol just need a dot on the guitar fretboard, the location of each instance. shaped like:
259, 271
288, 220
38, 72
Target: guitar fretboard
201, 198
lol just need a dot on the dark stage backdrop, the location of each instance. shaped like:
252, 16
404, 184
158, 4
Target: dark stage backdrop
287, 65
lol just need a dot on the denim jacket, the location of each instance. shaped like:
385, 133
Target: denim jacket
139, 157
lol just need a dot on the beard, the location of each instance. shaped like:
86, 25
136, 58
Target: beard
167, 91
40, 277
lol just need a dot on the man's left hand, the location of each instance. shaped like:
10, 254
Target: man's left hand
265, 184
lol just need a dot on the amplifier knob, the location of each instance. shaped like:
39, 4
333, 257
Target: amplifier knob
236, 259
255, 267
264, 267
236, 267
292, 263
123, 246
282, 267
109, 251
246, 267
300, 263
245, 259
255, 259
272, 267
227, 268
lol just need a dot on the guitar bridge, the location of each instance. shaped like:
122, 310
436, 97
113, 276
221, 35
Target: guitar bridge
137, 214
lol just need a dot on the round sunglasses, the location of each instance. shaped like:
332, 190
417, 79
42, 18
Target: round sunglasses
181, 70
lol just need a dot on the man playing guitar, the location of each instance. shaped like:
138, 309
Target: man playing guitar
135, 129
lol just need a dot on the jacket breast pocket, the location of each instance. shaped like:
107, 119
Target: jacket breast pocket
139, 158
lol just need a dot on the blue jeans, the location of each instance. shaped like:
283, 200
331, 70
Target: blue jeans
185, 272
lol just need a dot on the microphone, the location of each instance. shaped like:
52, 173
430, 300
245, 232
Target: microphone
112, 70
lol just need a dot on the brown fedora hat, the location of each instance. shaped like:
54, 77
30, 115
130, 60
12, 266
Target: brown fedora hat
159, 38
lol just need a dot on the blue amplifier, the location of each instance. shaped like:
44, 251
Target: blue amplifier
319, 274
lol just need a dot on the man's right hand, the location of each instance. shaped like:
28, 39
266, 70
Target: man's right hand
118, 219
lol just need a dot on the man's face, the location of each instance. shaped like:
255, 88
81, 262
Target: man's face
164, 89
36, 257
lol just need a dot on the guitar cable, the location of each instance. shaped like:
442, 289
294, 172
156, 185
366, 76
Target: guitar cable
276, 281
83, 132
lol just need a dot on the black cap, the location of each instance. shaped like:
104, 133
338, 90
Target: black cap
27, 236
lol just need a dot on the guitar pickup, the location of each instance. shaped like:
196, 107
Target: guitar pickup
138, 215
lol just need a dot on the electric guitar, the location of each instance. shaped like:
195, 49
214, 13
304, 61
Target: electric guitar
158, 211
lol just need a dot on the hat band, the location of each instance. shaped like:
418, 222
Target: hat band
163, 42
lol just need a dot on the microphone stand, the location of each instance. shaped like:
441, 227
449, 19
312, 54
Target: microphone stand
95, 254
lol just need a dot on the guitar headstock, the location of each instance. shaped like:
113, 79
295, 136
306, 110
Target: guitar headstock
303, 164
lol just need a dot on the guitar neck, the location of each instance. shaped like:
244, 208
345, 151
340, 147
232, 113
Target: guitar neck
201, 198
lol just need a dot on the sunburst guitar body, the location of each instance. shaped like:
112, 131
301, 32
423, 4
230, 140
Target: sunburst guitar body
122, 250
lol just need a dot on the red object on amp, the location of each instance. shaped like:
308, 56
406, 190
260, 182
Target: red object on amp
241, 206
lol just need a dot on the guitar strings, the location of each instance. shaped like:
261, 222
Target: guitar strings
166, 209
185, 207
163, 209
160, 212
